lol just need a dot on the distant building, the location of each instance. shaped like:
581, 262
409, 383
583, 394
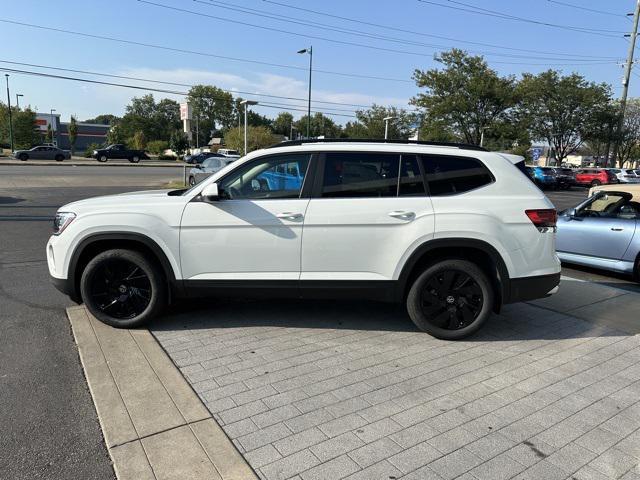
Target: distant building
88, 133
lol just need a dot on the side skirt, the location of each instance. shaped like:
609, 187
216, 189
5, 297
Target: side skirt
384, 291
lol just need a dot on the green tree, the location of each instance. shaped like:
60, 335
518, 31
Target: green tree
282, 124
321, 125
629, 149
601, 132
25, 133
104, 119
370, 123
116, 133
213, 107
561, 109
138, 141
73, 133
257, 137
178, 142
48, 137
466, 95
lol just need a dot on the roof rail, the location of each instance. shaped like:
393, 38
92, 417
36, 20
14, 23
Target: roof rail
464, 146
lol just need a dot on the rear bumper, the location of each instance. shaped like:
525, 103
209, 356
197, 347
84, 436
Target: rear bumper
531, 288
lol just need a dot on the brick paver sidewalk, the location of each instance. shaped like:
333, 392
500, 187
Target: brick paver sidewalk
332, 390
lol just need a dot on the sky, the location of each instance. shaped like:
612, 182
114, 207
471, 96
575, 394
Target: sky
388, 40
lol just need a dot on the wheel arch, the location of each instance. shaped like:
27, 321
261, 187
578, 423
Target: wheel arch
477, 251
94, 244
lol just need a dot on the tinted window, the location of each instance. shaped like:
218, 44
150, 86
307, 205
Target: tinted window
448, 175
411, 183
267, 178
360, 174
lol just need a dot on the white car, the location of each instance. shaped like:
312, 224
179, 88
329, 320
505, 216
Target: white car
227, 152
208, 167
625, 175
452, 231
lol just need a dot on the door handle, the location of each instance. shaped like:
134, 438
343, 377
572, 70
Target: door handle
617, 229
289, 216
402, 214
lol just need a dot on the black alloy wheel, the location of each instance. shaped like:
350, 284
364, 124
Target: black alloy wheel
451, 299
122, 288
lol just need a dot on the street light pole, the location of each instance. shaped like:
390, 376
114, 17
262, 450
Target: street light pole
386, 126
53, 130
9, 107
246, 104
625, 81
18, 95
310, 52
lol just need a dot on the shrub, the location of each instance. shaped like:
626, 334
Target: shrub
90, 148
157, 147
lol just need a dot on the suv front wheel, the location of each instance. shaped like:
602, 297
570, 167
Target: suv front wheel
122, 288
450, 299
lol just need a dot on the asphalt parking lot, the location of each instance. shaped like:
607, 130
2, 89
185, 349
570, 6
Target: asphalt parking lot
49, 428
48, 425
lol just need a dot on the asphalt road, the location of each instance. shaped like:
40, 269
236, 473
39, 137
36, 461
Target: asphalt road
48, 425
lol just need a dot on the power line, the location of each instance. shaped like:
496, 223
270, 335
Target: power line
504, 16
194, 52
279, 30
361, 33
413, 32
593, 10
151, 89
178, 84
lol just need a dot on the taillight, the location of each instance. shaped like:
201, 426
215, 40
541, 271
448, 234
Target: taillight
544, 219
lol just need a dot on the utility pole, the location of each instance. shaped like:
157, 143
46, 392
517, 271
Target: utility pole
246, 104
6, 75
310, 52
625, 81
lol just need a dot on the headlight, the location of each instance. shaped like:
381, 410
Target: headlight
95, 152
62, 221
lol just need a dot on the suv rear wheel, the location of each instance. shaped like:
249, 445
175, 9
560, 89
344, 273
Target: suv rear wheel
122, 288
450, 299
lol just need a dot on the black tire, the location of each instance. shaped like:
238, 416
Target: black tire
102, 158
596, 183
192, 180
23, 157
453, 311
134, 159
123, 288
59, 158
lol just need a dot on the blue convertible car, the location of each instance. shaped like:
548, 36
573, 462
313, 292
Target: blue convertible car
603, 231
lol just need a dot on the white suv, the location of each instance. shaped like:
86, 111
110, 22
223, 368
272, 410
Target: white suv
453, 231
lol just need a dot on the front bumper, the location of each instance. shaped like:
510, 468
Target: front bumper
532, 288
63, 285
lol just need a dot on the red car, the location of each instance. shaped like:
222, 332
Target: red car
592, 177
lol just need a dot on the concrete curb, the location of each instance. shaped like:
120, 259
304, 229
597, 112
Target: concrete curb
154, 424
75, 163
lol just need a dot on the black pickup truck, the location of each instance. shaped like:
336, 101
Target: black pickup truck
119, 151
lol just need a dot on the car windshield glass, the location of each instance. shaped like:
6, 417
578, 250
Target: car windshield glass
604, 204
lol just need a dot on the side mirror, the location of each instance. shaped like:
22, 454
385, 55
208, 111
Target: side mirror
210, 192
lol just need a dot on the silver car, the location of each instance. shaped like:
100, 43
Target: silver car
210, 166
43, 152
602, 232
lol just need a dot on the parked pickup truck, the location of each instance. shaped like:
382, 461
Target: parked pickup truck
119, 151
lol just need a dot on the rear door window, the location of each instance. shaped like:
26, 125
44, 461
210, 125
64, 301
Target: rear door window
360, 174
449, 175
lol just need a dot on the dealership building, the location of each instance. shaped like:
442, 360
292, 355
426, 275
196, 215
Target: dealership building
88, 133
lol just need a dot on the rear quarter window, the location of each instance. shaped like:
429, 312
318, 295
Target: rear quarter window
450, 175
